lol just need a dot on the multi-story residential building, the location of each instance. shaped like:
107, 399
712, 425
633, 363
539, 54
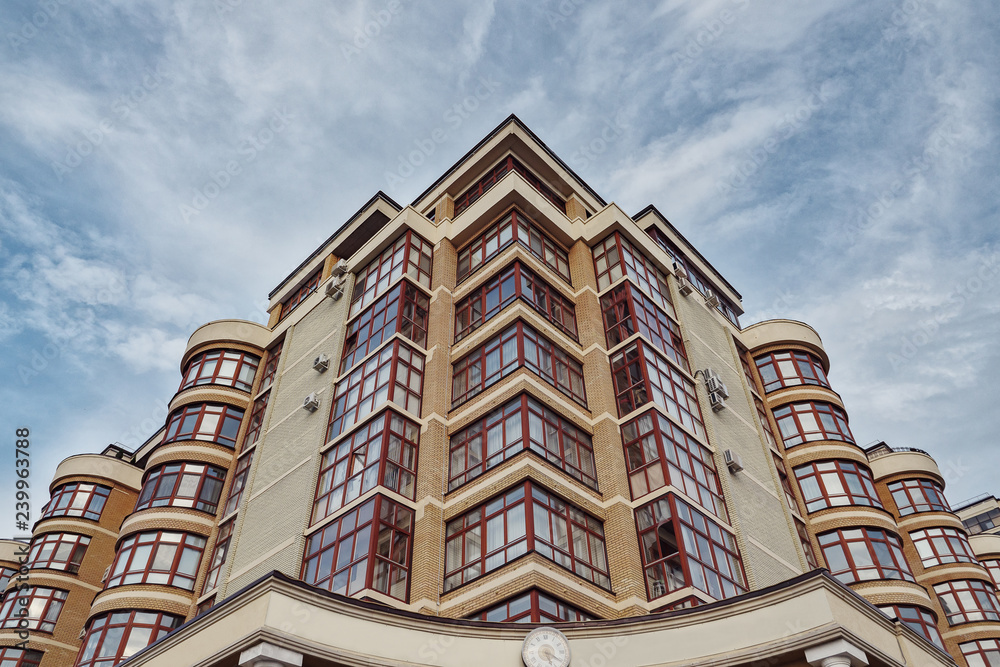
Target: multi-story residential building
508, 405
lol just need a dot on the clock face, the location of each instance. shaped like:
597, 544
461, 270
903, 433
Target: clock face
545, 647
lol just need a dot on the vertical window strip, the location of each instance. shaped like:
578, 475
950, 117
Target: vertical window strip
408, 255
628, 311
512, 227
642, 376
404, 309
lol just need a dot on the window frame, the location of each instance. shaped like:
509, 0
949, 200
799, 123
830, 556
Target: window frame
807, 369
220, 551
823, 473
20, 657
271, 366
300, 294
631, 309
408, 255
161, 625
385, 317
892, 546
931, 543
181, 470
955, 594
256, 423
125, 558
533, 613
226, 415
240, 475
53, 600
981, 648
906, 488
75, 490
200, 363
520, 229
505, 166
624, 260
920, 620
71, 563
789, 415
695, 277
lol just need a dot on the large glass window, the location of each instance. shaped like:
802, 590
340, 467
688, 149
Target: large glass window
863, 554
790, 369
111, 638
992, 566
77, 499
194, 485
230, 368
394, 374
918, 495
383, 452
271, 367
812, 420
513, 227
616, 257
240, 476
256, 421
532, 606
659, 453
782, 470
300, 295
765, 424
58, 551
505, 166
409, 255
836, 484
982, 653
32, 608
806, 542
938, 546
642, 376
5, 576
628, 311
517, 346
527, 518
368, 547
403, 309
16, 657
515, 282
522, 423
681, 547
219, 553
918, 619
982, 522
204, 421
968, 600
159, 557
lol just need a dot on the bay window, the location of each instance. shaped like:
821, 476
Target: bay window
918, 619
967, 601
368, 547
810, 421
520, 424
158, 557
615, 257
229, 368
836, 484
628, 311
658, 453
992, 566
918, 495
32, 608
204, 421
194, 485
409, 255
404, 309
642, 376
16, 657
512, 227
532, 606
394, 374
112, 638
864, 554
77, 499
505, 166
517, 346
790, 369
515, 282
383, 452
938, 546
522, 520
680, 547
58, 551
981, 653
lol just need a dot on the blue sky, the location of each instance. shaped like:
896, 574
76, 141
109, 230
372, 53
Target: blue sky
836, 161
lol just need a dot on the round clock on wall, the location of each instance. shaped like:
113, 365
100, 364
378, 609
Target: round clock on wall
545, 647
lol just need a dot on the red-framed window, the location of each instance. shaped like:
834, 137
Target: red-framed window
918, 495
524, 519
194, 485
512, 227
219, 553
658, 453
681, 547
157, 557
271, 367
938, 546
981, 653
32, 608
301, 294
836, 484
790, 369
522, 423
256, 424
992, 566
240, 476
864, 554
395, 374
383, 452
368, 547
695, 277
918, 619
493, 176
515, 282
642, 376
786, 486
16, 657
517, 346
5, 576
409, 255
628, 311
744, 354
77, 499
404, 309
615, 257
210, 422
806, 542
532, 606
812, 420
113, 637
230, 368
967, 601
58, 551
765, 424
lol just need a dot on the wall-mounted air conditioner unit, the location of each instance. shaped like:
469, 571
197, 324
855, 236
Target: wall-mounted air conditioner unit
321, 363
733, 461
311, 402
